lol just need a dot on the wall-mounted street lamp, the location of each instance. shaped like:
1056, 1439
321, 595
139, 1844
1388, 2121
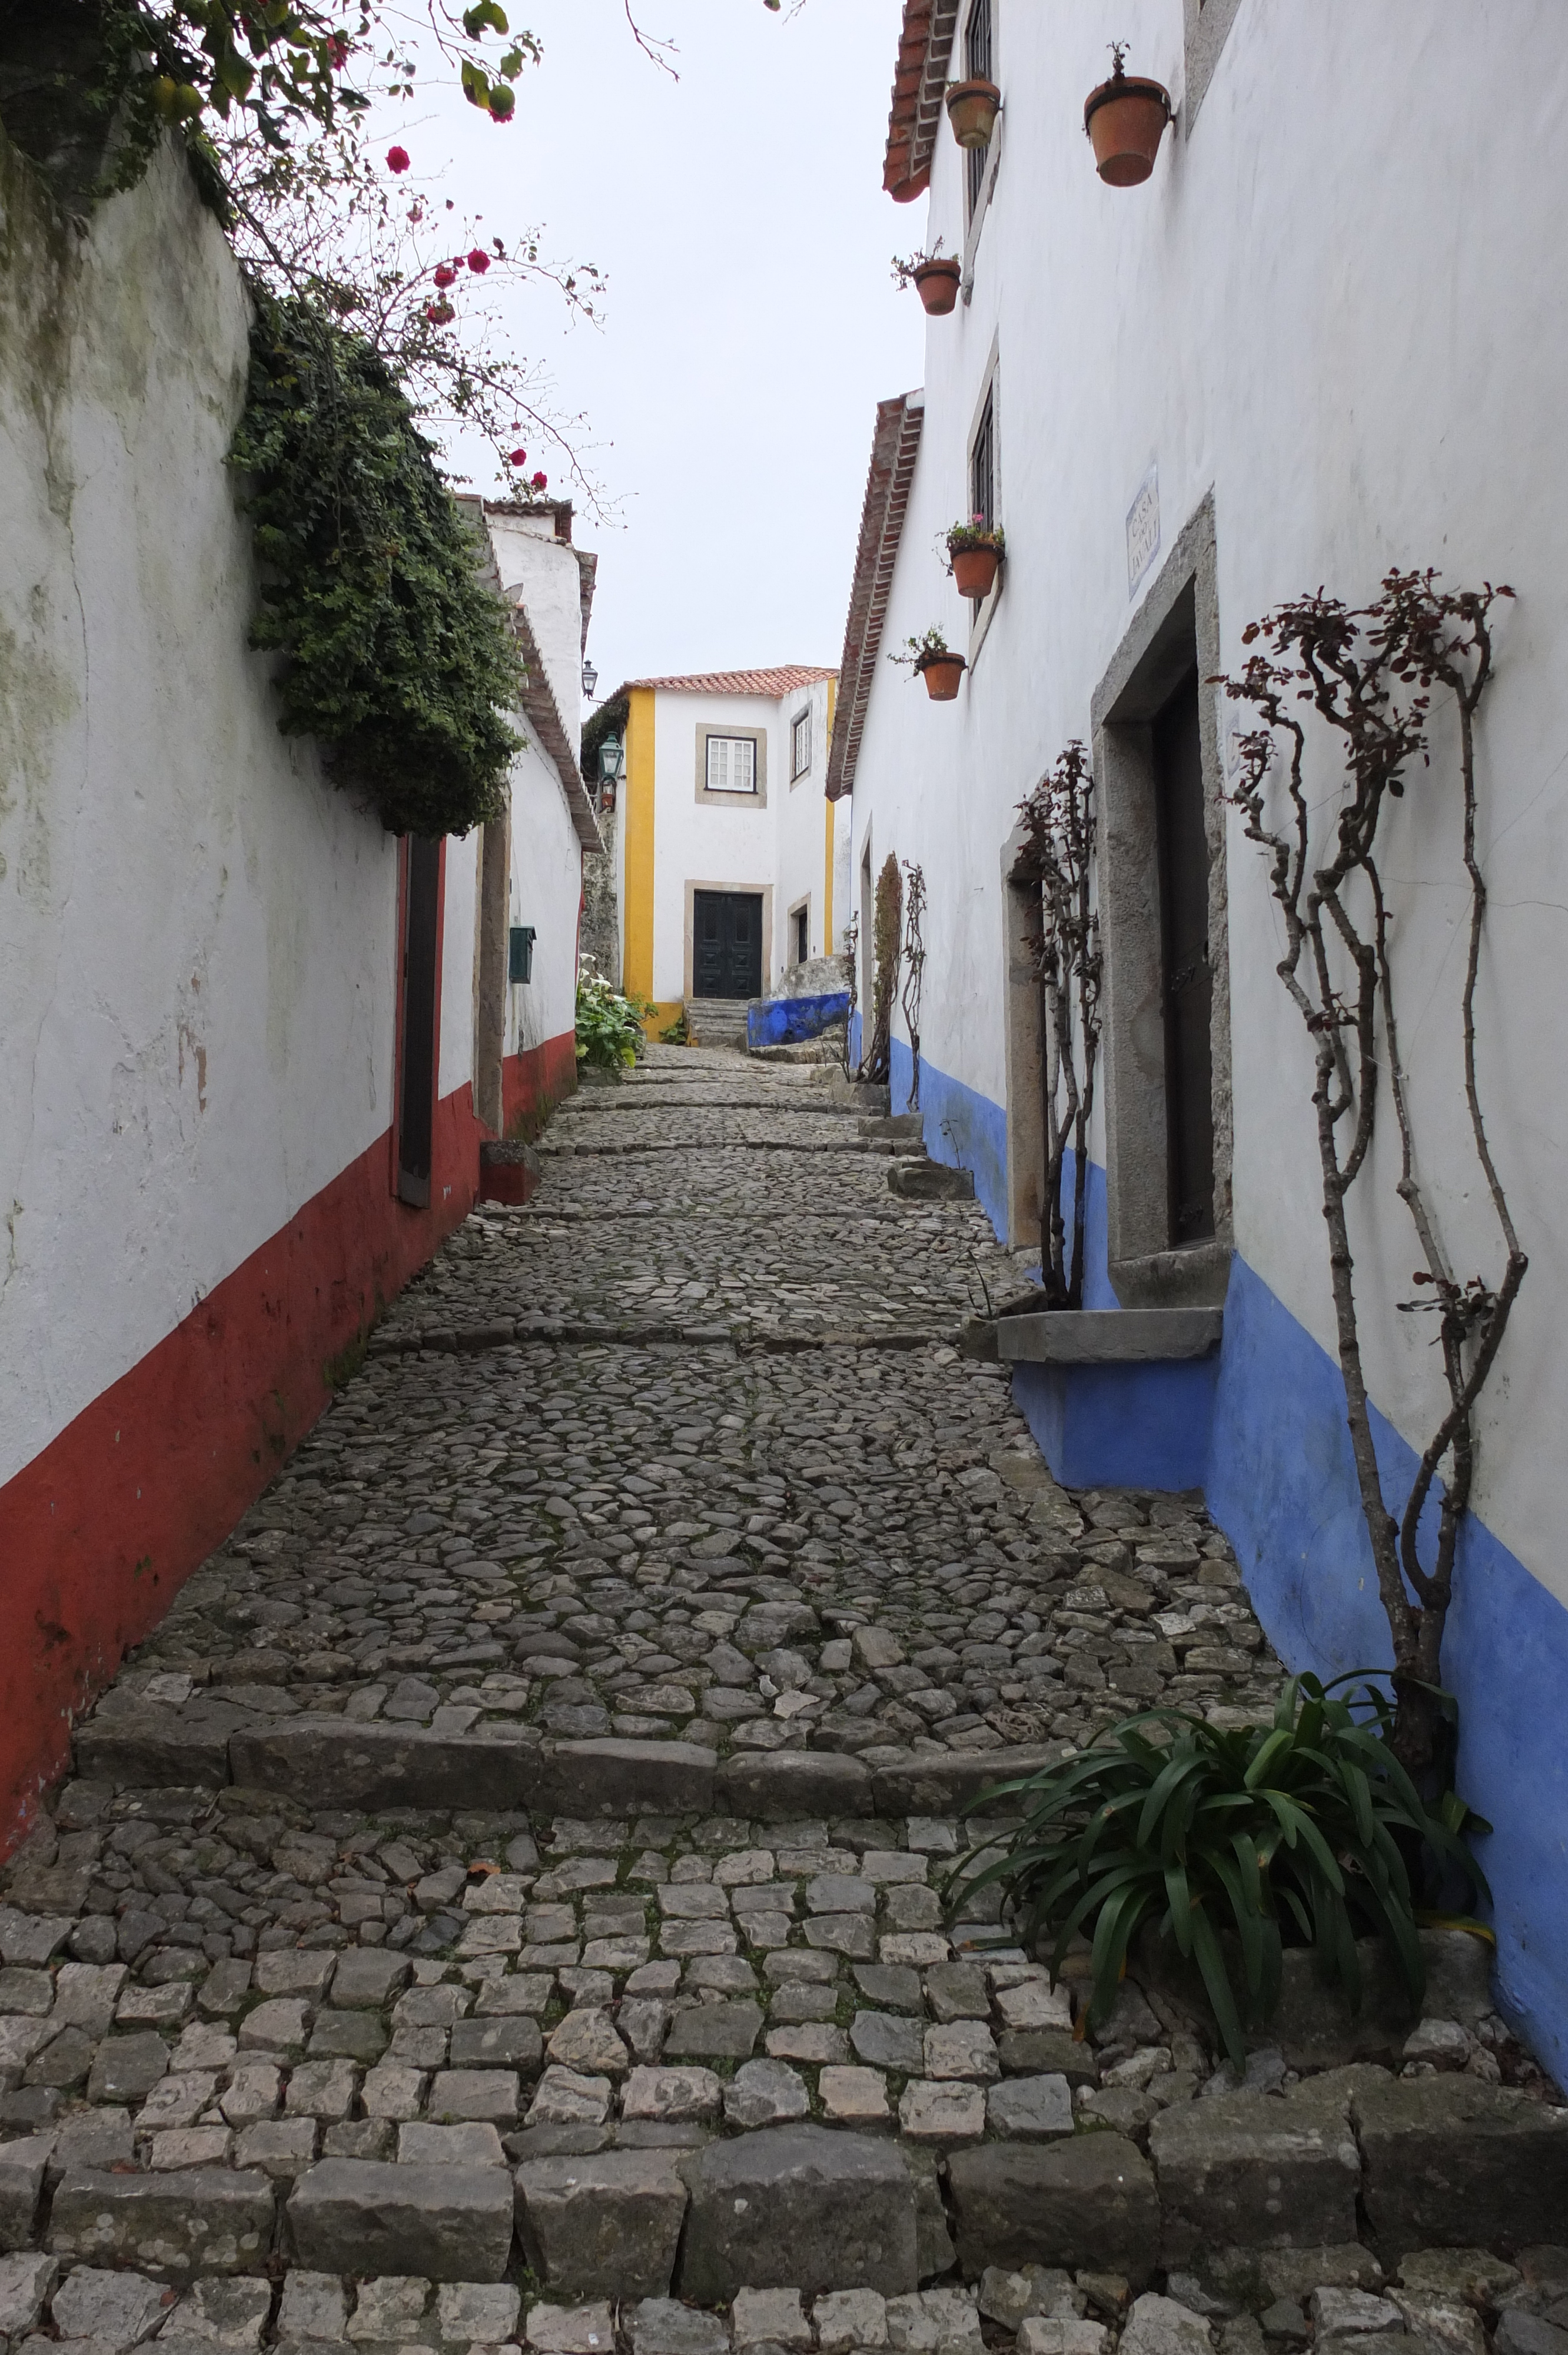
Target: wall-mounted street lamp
611, 769
590, 680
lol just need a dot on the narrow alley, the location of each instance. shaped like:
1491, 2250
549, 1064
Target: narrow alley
513, 1870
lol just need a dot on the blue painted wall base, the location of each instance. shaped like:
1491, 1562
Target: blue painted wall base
1133, 1426
1262, 1430
787, 1021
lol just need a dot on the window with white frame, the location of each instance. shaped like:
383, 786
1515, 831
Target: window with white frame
800, 745
732, 764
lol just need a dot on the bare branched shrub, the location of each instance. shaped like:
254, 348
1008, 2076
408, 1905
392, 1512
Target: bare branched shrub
851, 957
1059, 823
886, 942
913, 967
1369, 674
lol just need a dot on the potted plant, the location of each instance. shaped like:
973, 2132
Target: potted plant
975, 550
935, 276
972, 108
931, 658
1125, 119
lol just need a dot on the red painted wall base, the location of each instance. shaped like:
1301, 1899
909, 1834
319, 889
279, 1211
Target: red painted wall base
100, 1530
533, 1083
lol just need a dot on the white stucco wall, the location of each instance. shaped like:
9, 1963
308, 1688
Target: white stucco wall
198, 951
196, 931
1326, 307
802, 824
546, 890
546, 857
695, 842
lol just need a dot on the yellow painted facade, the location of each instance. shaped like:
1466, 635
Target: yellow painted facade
637, 953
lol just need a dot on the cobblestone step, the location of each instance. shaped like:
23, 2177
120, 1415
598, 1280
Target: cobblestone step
690, 2055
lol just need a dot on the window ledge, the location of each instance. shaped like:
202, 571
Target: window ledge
1108, 1336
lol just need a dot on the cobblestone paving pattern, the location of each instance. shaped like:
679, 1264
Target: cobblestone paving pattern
844, 1546
278, 2074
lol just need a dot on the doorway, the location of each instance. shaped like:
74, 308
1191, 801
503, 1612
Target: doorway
726, 944
417, 1065
1186, 985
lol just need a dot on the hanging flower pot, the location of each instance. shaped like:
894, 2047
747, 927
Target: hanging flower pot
936, 283
972, 108
974, 552
943, 674
1125, 119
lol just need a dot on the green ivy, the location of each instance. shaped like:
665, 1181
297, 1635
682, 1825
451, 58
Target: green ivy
399, 659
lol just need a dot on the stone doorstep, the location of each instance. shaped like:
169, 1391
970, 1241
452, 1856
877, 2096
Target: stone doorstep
375, 1765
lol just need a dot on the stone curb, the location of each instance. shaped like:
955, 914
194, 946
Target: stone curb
574, 1152
503, 1333
392, 1766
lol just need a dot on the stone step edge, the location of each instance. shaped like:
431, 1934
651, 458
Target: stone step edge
373, 1765
557, 1151
811, 2204
502, 1333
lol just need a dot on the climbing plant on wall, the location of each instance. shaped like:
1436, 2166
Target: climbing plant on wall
914, 968
397, 656
1059, 836
886, 941
1371, 675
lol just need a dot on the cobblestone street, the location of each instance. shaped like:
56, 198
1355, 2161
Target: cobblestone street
507, 1888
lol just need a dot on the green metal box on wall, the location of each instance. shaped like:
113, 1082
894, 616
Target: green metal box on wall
520, 952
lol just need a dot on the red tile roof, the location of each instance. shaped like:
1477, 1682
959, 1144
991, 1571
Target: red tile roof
924, 50
784, 680
893, 449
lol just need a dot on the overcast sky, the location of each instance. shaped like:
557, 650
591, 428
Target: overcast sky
751, 323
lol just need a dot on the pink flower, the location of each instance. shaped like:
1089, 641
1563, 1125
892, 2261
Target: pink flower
479, 260
518, 458
445, 274
440, 312
337, 51
396, 159
538, 482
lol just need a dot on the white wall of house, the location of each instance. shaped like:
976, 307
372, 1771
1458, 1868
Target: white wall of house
547, 855
695, 842
802, 827
1323, 312
199, 960
1349, 412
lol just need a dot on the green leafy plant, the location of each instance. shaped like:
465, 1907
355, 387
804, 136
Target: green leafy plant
611, 1036
1303, 1831
919, 654
976, 533
677, 1035
399, 658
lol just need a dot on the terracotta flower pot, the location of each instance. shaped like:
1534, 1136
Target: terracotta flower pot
943, 674
975, 570
1126, 118
936, 284
972, 108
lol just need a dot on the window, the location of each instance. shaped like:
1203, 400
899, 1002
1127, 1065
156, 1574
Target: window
982, 464
732, 764
977, 68
800, 746
800, 920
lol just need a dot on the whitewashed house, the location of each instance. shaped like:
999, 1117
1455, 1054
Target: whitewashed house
1312, 346
724, 873
251, 1044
